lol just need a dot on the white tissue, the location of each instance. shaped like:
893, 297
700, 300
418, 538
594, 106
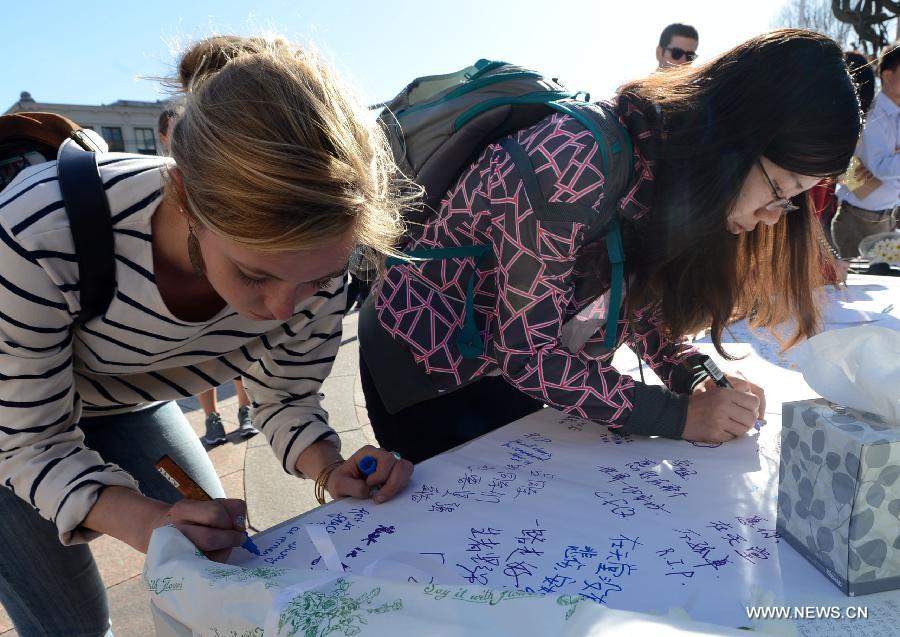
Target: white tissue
857, 367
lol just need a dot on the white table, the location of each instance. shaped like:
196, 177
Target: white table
477, 518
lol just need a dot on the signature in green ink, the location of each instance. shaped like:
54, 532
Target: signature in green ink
237, 574
487, 596
315, 614
161, 585
256, 631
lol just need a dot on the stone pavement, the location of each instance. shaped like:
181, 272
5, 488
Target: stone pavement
249, 470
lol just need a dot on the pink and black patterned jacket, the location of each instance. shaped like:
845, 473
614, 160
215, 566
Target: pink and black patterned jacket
534, 282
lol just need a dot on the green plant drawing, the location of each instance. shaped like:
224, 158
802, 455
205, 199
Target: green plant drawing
236, 574
315, 614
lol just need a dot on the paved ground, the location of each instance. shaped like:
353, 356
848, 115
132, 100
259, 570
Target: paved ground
248, 469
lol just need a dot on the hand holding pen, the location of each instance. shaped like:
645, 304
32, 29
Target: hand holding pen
214, 526
370, 472
723, 408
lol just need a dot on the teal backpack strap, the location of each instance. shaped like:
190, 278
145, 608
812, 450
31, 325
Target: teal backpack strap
620, 144
469, 340
617, 262
614, 246
538, 97
617, 146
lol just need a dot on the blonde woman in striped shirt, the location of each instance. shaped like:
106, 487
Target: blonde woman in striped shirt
230, 261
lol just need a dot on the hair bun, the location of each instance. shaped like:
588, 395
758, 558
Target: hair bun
207, 57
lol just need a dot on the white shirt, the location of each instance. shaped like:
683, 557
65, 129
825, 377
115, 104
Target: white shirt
878, 150
136, 353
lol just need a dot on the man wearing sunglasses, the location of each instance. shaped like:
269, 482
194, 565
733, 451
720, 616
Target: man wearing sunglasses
677, 45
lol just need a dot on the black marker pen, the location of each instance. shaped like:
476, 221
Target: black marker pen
719, 378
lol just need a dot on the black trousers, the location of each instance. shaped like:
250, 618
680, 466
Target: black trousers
434, 426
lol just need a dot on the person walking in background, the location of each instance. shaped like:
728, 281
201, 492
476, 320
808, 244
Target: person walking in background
677, 45
215, 428
868, 202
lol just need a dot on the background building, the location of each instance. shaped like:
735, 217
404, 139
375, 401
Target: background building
126, 125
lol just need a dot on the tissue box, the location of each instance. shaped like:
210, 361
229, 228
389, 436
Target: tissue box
839, 494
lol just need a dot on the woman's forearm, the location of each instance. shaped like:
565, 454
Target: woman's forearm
126, 515
316, 457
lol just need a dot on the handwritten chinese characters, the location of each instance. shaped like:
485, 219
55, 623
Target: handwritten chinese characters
717, 543
640, 484
525, 560
492, 484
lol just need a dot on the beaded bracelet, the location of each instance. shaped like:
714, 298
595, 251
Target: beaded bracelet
322, 480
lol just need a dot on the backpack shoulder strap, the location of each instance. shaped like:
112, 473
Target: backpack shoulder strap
612, 139
616, 157
89, 218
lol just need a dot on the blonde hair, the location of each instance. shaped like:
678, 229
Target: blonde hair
276, 153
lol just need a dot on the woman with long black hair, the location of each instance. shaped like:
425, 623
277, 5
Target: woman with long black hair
714, 228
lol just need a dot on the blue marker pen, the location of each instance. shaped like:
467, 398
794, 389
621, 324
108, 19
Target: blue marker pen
721, 380
367, 466
250, 545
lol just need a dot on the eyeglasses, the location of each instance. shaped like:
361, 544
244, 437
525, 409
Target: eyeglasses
678, 53
786, 204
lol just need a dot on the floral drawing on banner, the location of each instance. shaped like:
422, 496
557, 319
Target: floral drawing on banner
319, 614
267, 573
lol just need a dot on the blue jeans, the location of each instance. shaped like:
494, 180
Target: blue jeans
51, 590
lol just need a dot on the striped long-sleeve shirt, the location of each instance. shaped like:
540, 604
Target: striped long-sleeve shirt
52, 372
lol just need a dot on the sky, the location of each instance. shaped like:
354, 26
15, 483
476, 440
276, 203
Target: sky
97, 52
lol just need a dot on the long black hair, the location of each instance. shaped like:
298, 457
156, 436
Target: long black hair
785, 95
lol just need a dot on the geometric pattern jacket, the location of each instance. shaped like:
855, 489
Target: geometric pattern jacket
538, 276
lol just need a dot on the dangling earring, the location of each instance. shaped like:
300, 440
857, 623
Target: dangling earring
194, 253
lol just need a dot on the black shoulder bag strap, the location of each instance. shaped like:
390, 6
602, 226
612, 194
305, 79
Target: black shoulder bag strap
92, 232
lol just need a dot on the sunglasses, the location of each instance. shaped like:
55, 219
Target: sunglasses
677, 53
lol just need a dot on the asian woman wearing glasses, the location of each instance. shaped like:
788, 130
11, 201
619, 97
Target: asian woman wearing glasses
715, 227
